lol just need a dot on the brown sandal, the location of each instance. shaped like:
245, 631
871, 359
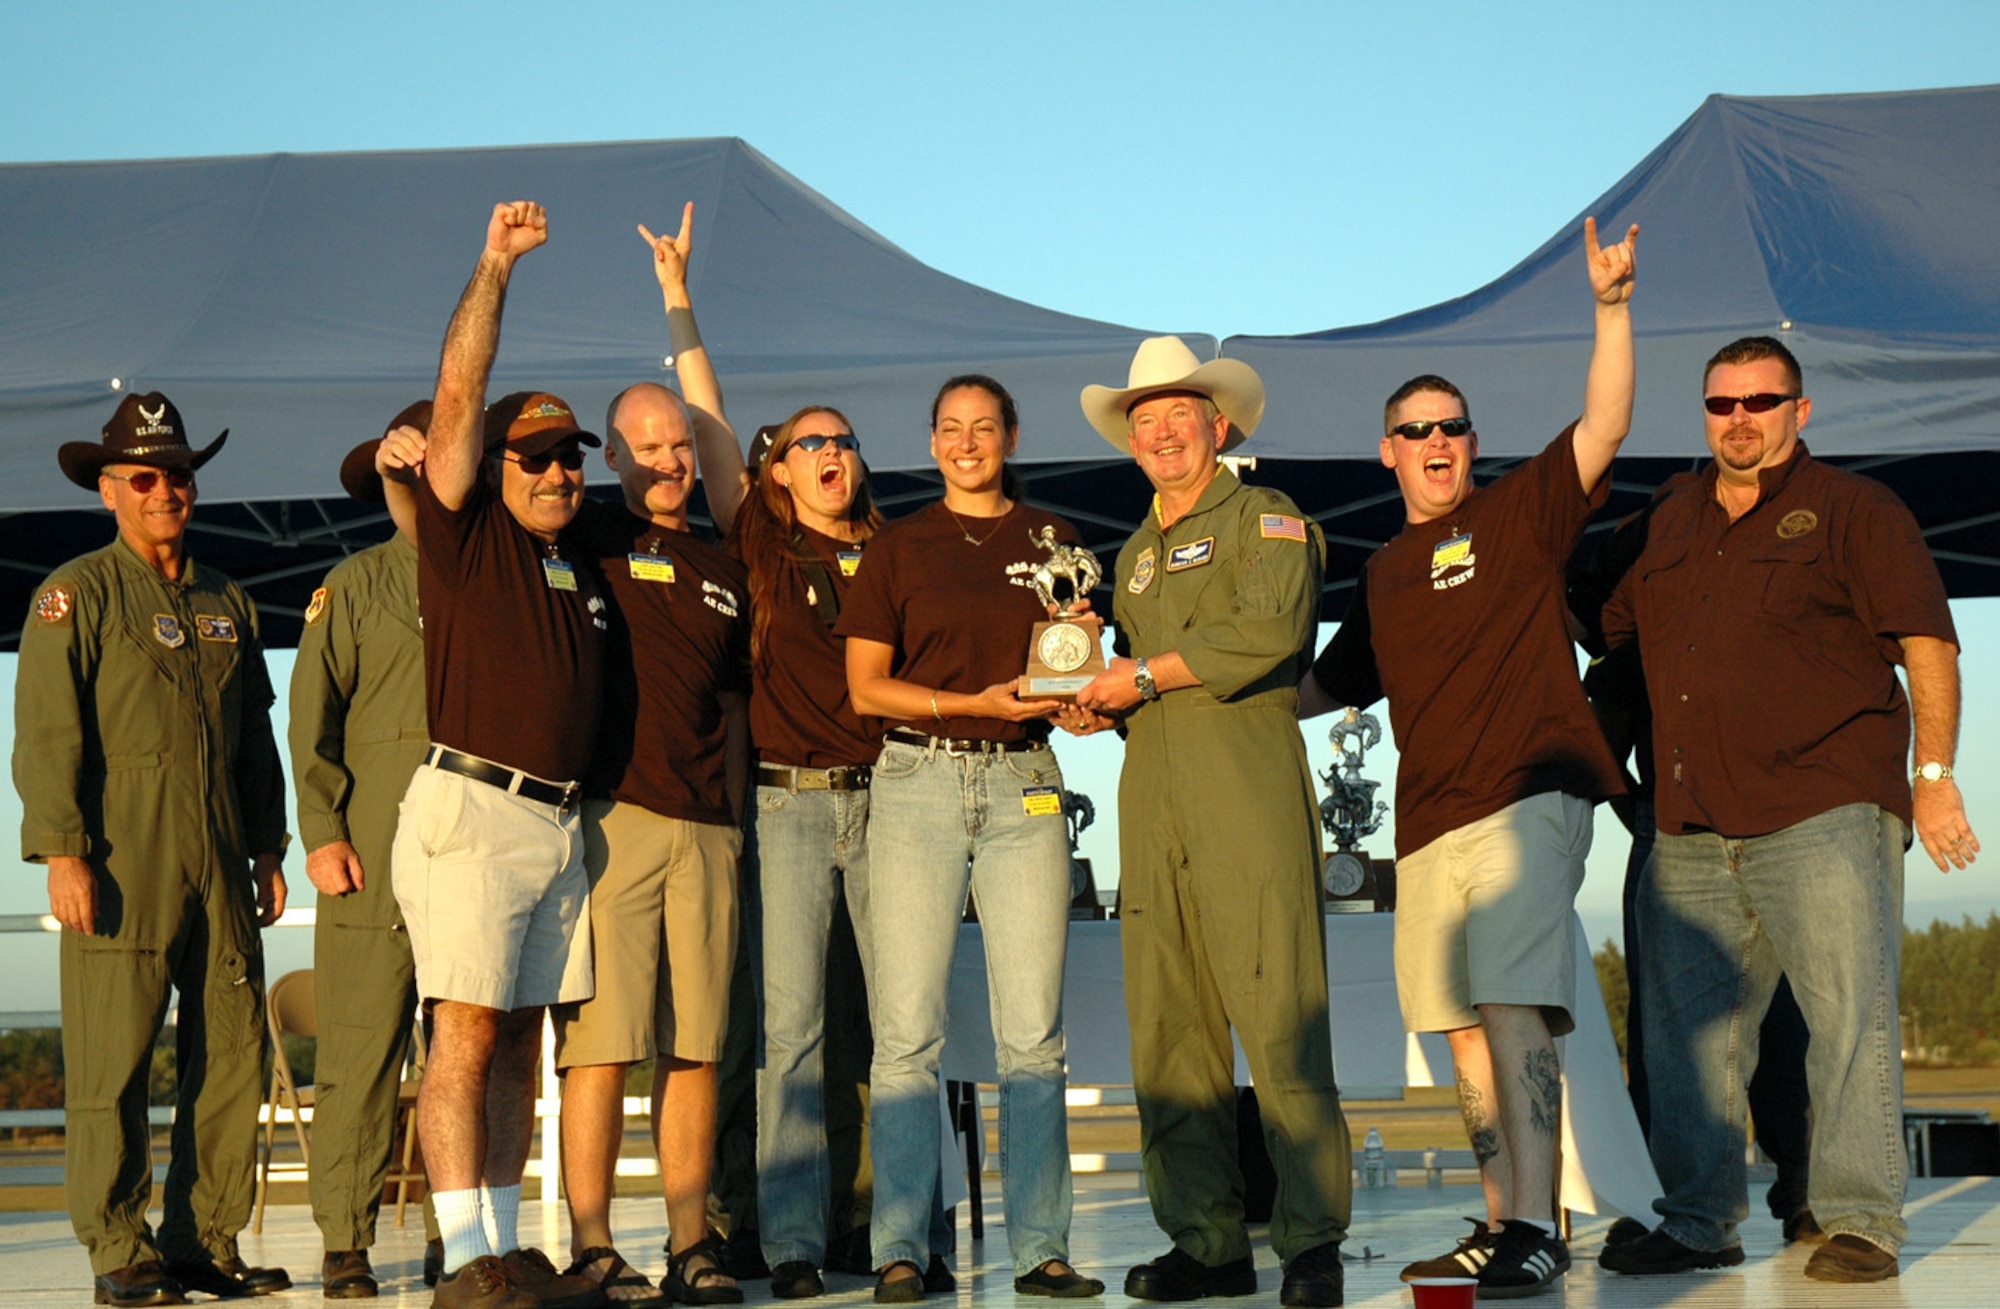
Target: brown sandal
693, 1287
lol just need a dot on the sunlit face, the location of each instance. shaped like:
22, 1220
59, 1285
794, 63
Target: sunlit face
970, 442
1435, 474
1744, 443
651, 448
822, 482
152, 520
1175, 441
544, 501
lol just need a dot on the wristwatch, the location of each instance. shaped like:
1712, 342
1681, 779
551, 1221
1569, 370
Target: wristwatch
1142, 677
1933, 771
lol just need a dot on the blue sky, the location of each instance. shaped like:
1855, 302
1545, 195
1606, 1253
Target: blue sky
1224, 169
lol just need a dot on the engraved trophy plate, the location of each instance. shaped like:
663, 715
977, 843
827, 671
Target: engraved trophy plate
1065, 653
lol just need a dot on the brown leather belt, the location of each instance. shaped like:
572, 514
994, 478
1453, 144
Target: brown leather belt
953, 745
849, 777
563, 795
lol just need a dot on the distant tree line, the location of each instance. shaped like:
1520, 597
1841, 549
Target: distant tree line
1950, 997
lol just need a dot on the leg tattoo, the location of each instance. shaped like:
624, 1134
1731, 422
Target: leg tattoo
1541, 1077
1479, 1129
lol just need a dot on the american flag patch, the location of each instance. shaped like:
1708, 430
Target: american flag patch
1282, 527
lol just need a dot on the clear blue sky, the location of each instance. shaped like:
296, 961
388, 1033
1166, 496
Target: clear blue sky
1224, 169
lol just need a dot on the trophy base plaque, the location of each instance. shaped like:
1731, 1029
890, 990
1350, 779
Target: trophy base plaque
1064, 656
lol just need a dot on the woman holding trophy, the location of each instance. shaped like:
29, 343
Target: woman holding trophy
966, 790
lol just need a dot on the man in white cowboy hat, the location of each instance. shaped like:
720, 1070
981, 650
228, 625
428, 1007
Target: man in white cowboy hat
1216, 599
152, 788
1460, 622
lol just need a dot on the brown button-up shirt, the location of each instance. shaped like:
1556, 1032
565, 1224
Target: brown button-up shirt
1770, 647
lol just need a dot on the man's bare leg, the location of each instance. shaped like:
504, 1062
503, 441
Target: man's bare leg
1479, 1105
593, 1132
1528, 1078
684, 1095
452, 1121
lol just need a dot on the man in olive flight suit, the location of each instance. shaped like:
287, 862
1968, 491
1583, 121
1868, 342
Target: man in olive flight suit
1222, 918
358, 732
152, 788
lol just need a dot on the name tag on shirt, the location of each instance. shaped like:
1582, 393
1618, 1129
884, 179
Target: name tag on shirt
1041, 802
211, 627
1192, 555
560, 574
650, 568
850, 561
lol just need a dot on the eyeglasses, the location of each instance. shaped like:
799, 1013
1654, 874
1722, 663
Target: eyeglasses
536, 465
1762, 403
1421, 430
143, 483
814, 444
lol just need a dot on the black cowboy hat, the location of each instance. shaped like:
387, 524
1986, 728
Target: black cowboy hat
145, 430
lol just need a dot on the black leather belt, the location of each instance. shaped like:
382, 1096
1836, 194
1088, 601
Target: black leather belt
849, 777
953, 745
563, 795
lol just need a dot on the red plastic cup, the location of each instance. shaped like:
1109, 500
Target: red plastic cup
1444, 1292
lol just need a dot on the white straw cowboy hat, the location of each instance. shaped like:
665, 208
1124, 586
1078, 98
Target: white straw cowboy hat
1164, 363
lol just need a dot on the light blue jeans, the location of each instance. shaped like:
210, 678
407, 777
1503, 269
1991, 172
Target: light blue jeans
812, 848
937, 821
1822, 902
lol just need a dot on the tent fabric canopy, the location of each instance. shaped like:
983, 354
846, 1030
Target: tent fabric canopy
300, 300
1858, 228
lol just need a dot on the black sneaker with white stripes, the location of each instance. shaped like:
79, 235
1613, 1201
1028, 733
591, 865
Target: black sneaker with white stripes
1525, 1259
1464, 1260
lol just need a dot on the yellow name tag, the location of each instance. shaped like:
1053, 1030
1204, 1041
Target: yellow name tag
651, 568
1041, 802
559, 574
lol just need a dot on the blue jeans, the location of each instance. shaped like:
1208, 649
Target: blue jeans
1821, 902
938, 820
812, 848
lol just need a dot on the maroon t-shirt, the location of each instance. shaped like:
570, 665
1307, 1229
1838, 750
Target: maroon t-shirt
957, 619
1770, 646
514, 636
1460, 623
800, 711
682, 639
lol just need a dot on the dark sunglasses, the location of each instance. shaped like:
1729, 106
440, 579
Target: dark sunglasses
536, 465
817, 443
1762, 403
143, 483
1421, 430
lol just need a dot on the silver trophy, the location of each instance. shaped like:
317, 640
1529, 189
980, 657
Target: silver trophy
1065, 653
1350, 810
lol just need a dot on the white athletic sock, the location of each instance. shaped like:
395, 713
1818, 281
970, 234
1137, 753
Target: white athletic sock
501, 1206
1547, 1225
461, 1225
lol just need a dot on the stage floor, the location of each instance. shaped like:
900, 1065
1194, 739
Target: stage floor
1952, 1260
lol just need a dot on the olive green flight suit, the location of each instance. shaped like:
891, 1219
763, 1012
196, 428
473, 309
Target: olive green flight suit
358, 732
142, 742
1221, 916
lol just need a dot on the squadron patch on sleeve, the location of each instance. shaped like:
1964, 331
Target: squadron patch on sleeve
316, 610
53, 605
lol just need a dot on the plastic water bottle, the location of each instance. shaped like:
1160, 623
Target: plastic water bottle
1374, 1169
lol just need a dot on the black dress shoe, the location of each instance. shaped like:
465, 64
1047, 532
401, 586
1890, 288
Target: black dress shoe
433, 1260
347, 1275
938, 1278
137, 1284
1178, 1275
1314, 1279
228, 1279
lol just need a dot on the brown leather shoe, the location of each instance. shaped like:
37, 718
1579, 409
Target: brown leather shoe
531, 1270
347, 1275
1848, 1258
481, 1284
139, 1284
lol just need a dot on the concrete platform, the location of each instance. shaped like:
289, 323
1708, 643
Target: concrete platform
1951, 1262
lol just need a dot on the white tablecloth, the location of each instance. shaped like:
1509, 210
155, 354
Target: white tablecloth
1605, 1165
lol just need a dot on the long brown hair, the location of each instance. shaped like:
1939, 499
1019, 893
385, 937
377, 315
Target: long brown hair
773, 544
